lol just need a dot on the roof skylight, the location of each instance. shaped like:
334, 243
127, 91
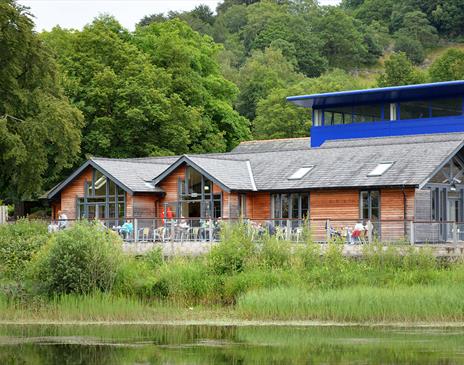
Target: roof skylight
301, 172
380, 169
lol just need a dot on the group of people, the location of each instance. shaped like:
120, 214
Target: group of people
359, 233
60, 224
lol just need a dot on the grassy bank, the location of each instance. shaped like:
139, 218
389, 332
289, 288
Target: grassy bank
82, 275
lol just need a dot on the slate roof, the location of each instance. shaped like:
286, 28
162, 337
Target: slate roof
347, 163
285, 144
235, 174
267, 165
136, 174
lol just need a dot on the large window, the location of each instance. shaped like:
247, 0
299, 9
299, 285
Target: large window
433, 108
370, 206
356, 114
103, 200
427, 108
196, 197
290, 206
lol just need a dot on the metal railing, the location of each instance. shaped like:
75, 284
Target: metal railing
146, 229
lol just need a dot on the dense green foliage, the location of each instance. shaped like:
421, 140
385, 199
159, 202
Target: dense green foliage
264, 279
40, 131
199, 80
19, 242
82, 259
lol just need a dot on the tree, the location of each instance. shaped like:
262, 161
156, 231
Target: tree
417, 26
277, 118
343, 43
191, 61
158, 91
268, 22
262, 72
400, 71
411, 47
450, 66
39, 128
448, 17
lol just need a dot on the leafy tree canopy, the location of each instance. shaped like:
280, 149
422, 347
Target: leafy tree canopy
450, 66
263, 71
277, 118
39, 129
400, 71
158, 91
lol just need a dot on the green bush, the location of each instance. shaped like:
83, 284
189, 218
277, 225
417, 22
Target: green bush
234, 250
135, 277
274, 254
18, 243
81, 259
154, 258
187, 281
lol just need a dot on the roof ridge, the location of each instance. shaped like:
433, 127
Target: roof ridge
390, 140
219, 158
274, 139
140, 161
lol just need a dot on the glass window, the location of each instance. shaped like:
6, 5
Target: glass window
297, 204
446, 107
304, 206
414, 110
284, 202
194, 182
370, 205
380, 169
301, 172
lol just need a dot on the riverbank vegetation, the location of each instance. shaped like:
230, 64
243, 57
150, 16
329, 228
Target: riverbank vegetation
82, 274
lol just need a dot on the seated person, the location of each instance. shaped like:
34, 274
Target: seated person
126, 230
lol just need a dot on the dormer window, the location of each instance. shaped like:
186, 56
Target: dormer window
301, 172
380, 169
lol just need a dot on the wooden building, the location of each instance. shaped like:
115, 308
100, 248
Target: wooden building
388, 156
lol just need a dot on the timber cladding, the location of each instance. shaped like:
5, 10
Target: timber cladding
144, 205
258, 205
334, 204
396, 205
170, 184
72, 191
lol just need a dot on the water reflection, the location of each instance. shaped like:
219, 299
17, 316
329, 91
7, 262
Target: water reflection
228, 345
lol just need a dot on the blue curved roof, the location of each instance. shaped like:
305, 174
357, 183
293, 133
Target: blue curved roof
379, 95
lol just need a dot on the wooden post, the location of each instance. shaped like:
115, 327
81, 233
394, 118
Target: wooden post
289, 230
3, 214
411, 233
370, 227
136, 230
455, 233
327, 230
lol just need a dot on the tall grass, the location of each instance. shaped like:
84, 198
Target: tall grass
356, 304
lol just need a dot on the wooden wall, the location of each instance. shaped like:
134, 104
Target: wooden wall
73, 190
258, 205
392, 203
170, 184
144, 205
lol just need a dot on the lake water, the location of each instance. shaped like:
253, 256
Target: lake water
147, 344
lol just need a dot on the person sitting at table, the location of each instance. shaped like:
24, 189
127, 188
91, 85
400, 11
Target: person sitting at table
126, 230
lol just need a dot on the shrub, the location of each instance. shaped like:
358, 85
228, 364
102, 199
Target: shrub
274, 254
187, 282
18, 243
232, 253
154, 258
135, 277
81, 259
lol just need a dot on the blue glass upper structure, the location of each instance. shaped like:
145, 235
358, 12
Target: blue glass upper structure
390, 111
